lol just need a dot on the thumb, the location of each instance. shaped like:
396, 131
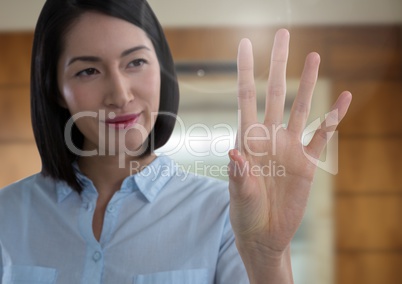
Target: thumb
238, 170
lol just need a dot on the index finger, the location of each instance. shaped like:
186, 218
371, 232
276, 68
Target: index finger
246, 85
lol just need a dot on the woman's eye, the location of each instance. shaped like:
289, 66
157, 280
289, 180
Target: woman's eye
87, 72
137, 63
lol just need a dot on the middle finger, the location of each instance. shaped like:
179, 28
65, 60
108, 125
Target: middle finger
276, 88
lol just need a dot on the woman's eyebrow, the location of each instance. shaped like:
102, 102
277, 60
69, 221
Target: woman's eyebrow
98, 59
83, 58
134, 49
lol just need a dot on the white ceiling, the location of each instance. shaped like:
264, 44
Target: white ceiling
22, 14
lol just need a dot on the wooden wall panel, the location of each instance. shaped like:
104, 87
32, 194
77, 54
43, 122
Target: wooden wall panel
365, 52
15, 119
368, 186
369, 222
203, 44
369, 267
200, 44
15, 58
370, 165
18, 161
376, 108
19, 156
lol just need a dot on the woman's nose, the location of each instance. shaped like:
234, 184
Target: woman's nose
119, 92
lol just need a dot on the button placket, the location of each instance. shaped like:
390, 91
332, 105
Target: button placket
111, 208
88, 206
110, 219
97, 256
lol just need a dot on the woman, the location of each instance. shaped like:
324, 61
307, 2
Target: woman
104, 95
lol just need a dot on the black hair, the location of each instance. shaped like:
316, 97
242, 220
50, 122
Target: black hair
49, 118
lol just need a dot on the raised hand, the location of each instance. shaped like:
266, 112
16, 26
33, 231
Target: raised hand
267, 208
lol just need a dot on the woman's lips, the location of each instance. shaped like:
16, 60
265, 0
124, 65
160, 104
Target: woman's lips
123, 121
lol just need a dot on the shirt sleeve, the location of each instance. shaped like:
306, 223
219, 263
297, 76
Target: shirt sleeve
230, 267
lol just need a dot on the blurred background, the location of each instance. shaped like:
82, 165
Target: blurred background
352, 231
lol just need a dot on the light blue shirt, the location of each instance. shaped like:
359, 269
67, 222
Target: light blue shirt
163, 226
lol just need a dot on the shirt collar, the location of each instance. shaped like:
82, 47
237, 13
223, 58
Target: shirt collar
63, 190
149, 181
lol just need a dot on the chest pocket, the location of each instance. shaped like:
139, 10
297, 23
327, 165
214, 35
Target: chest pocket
28, 274
193, 276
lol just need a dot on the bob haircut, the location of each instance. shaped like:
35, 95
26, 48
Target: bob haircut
49, 119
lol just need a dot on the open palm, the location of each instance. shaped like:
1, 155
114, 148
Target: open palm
271, 171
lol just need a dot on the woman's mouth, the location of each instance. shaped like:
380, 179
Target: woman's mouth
123, 121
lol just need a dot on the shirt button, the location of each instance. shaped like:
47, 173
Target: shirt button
111, 208
97, 256
88, 207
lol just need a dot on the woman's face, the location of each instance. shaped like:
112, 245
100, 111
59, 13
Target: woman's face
109, 78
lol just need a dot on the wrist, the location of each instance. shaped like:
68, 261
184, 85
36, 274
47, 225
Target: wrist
266, 265
263, 254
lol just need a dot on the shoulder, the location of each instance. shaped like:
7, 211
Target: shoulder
199, 186
17, 187
25, 191
201, 182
